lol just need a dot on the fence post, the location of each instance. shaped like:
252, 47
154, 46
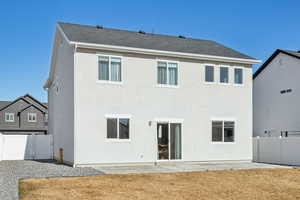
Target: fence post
33, 146
51, 146
280, 148
257, 150
1, 147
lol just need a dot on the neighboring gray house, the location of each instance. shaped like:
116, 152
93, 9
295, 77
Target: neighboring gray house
118, 97
25, 115
276, 95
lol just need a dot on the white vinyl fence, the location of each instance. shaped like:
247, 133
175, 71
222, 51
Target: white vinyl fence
277, 150
23, 147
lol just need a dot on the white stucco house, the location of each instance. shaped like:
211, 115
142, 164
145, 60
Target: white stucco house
125, 97
276, 95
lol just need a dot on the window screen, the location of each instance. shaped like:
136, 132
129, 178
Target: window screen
217, 131
238, 76
224, 74
209, 73
112, 128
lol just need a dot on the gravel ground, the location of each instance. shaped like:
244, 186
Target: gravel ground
12, 171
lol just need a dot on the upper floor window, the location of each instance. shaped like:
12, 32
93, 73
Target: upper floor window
238, 76
167, 73
224, 77
31, 117
209, 73
46, 117
110, 68
9, 117
222, 131
117, 128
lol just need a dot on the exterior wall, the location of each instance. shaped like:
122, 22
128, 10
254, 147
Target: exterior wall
39, 124
273, 111
194, 101
61, 101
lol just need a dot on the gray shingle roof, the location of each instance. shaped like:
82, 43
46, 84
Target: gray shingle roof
295, 53
4, 103
108, 36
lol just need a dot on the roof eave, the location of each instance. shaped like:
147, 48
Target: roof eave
49, 81
164, 53
47, 84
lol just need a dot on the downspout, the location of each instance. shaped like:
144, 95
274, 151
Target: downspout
74, 105
19, 117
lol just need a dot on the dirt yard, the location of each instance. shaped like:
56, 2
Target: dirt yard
271, 184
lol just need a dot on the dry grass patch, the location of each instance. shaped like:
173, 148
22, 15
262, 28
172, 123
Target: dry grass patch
217, 185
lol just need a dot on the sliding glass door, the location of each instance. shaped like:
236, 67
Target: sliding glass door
169, 141
175, 141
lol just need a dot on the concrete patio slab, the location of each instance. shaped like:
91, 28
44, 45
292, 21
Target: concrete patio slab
183, 167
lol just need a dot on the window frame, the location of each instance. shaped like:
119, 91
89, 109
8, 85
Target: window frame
118, 117
9, 114
228, 75
167, 85
109, 81
243, 75
46, 117
214, 71
223, 133
32, 114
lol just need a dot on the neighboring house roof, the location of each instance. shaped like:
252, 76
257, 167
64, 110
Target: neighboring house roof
9, 103
12, 102
295, 54
45, 105
4, 103
31, 105
115, 37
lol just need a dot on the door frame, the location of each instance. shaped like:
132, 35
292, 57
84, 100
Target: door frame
168, 121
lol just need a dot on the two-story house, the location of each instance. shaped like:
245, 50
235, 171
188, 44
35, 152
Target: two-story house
276, 95
23, 116
119, 96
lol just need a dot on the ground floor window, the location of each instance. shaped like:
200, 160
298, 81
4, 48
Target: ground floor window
223, 131
117, 128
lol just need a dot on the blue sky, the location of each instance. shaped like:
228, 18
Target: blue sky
256, 28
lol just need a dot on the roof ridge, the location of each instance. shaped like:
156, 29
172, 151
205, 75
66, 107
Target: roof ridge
23, 98
163, 42
137, 32
287, 50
